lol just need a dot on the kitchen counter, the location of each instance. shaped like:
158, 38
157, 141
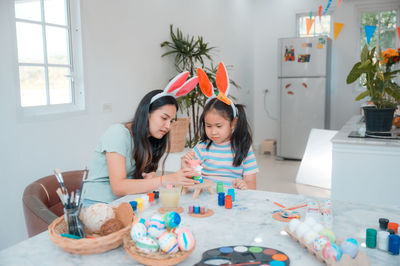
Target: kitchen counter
249, 222
365, 169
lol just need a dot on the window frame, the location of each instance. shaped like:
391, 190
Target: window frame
315, 14
77, 76
373, 7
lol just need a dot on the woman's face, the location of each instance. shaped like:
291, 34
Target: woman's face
160, 120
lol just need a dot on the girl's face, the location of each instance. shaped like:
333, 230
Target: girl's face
218, 128
160, 120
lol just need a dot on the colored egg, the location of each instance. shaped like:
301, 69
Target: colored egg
168, 243
293, 225
310, 221
310, 236
147, 244
350, 246
138, 231
172, 219
327, 232
185, 239
302, 229
320, 242
156, 226
331, 250
318, 227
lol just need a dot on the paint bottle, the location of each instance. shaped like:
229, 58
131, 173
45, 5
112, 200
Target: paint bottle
133, 204
394, 244
221, 199
383, 223
383, 240
231, 192
371, 238
393, 226
220, 187
228, 202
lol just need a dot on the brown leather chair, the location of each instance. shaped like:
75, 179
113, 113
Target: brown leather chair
41, 202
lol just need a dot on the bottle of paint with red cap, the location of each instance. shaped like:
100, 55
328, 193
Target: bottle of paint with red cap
228, 202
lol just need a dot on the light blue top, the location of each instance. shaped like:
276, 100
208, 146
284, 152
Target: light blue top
117, 138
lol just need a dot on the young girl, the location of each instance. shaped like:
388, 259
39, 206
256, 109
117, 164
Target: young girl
225, 148
126, 158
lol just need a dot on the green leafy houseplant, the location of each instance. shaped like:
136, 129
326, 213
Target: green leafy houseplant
190, 53
378, 79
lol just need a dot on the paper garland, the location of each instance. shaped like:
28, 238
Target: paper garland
398, 32
337, 27
309, 24
327, 7
369, 31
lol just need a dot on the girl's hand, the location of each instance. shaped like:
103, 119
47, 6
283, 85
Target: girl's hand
149, 175
185, 160
182, 177
239, 183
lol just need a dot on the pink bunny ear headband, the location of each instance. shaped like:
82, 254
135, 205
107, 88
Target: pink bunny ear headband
177, 87
222, 81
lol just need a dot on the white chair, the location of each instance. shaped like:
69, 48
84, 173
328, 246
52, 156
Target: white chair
316, 166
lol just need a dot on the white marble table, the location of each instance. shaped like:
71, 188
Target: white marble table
248, 223
364, 169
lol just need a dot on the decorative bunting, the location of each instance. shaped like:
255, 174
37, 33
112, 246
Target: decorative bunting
310, 15
369, 31
337, 27
309, 23
319, 12
327, 7
338, 4
398, 32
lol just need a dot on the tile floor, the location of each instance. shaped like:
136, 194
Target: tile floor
280, 176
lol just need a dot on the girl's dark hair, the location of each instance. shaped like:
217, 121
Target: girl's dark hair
148, 150
241, 138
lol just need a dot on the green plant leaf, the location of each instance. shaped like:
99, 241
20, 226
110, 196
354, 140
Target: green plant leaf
362, 95
354, 74
364, 54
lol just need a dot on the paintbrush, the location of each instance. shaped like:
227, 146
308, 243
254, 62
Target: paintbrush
60, 195
291, 208
81, 194
60, 179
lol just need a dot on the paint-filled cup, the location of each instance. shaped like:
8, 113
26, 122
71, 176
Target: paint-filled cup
170, 195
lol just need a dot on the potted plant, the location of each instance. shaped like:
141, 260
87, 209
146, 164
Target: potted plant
190, 53
375, 71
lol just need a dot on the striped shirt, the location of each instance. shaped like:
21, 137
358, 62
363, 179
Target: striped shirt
217, 162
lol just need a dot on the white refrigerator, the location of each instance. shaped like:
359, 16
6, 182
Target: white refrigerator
304, 88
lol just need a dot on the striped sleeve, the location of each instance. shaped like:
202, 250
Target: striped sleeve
250, 163
197, 150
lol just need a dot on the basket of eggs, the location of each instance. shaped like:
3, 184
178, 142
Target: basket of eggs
105, 228
160, 241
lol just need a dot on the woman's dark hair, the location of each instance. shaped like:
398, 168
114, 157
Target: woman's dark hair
148, 150
241, 138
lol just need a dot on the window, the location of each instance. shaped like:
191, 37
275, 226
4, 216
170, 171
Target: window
318, 28
384, 36
49, 56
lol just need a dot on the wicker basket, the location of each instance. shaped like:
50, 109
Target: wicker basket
178, 134
155, 259
95, 245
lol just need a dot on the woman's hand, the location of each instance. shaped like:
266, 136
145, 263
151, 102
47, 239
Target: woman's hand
239, 183
185, 160
149, 175
182, 177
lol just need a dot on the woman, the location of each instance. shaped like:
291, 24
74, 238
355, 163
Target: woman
126, 158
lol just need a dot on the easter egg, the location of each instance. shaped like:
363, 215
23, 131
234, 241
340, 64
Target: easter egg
96, 215
293, 225
147, 244
168, 243
310, 236
301, 230
320, 242
156, 226
138, 231
185, 239
331, 250
349, 246
172, 219
329, 234
317, 227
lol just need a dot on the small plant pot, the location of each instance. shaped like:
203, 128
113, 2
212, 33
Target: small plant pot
378, 119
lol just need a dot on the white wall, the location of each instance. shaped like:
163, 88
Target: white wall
121, 47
